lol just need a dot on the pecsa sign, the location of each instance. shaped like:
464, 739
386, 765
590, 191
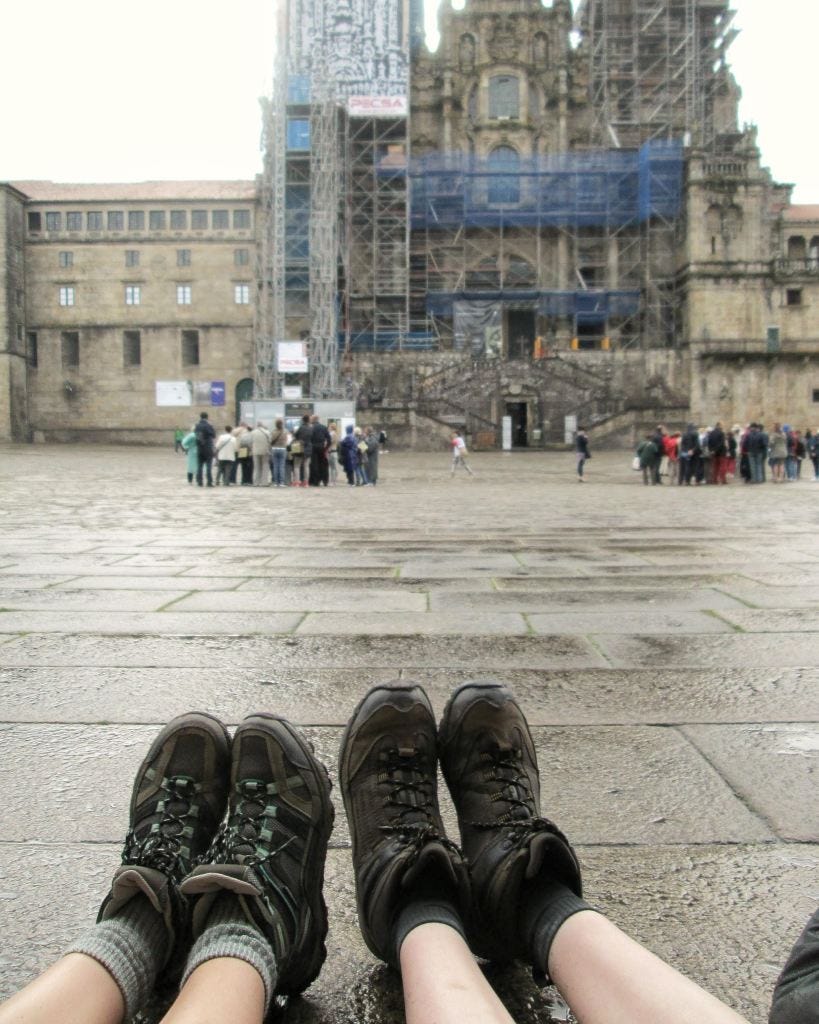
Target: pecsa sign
377, 106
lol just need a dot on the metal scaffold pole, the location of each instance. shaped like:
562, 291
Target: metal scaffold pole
269, 321
324, 232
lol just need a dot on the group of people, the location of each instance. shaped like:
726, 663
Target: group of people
711, 455
308, 456
219, 893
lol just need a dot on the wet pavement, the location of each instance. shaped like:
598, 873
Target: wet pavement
664, 643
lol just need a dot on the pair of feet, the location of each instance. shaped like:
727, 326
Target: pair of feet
251, 816
388, 765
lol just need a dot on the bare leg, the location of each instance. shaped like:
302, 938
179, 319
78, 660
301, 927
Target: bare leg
608, 978
223, 989
74, 990
449, 994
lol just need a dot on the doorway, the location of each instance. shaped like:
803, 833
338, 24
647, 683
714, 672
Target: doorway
520, 333
519, 414
244, 393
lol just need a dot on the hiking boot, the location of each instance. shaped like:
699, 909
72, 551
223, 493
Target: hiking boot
388, 775
489, 763
177, 803
272, 848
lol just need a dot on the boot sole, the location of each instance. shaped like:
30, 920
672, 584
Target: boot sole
312, 948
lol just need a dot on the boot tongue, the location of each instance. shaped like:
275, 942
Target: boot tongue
434, 857
538, 849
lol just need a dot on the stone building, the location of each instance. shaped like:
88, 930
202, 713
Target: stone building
113, 288
554, 215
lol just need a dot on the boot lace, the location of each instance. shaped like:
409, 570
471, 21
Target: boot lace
247, 837
165, 846
409, 793
503, 765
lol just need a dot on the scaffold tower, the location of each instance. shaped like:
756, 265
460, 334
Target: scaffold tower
269, 319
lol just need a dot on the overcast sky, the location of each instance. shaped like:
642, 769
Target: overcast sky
98, 91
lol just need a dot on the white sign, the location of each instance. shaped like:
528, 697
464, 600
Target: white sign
174, 393
291, 392
506, 433
292, 357
377, 106
569, 428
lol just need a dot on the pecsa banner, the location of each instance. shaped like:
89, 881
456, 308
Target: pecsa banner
292, 357
377, 106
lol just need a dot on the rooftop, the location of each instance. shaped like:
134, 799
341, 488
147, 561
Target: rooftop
56, 192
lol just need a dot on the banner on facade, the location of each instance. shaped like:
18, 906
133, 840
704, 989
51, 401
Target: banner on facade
291, 392
174, 393
292, 357
377, 106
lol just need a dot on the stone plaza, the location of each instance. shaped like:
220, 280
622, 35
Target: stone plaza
663, 642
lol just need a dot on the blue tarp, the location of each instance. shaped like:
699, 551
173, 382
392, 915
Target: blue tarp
594, 189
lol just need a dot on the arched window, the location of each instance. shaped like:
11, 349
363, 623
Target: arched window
796, 247
540, 49
732, 221
813, 253
504, 175
504, 96
466, 54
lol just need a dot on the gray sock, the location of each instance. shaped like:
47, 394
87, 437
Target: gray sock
131, 946
229, 932
426, 911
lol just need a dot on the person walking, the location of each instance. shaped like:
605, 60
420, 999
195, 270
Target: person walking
459, 453
582, 452
373, 447
188, 443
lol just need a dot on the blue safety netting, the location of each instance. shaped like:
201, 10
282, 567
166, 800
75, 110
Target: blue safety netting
584, 306
298, 89
589, 189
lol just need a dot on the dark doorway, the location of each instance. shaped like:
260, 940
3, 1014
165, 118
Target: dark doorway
520, 328
590, 333
519, 411
244, 393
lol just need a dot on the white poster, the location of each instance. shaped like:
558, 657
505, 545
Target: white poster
569, 428
174, 393
291, 392
292, 357
506, 433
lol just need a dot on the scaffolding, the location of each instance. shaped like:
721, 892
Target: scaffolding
324, 252
269, 310
654, 68
565, 237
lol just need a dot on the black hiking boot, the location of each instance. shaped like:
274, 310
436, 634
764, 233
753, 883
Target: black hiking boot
272, 848
177, 803
489, 763
388, 775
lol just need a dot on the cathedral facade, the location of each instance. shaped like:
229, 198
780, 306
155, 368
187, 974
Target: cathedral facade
552, 217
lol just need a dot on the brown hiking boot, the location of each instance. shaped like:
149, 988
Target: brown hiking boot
388, 773
489, 763
272, 848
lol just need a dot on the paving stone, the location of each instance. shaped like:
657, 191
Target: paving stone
366, 622
771, 620
158, 623
239, 653
773, 767
86, 600
642, 621
151, 581
319, 696
593, 600
774, 650
313, 599
806, 597
477, 565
